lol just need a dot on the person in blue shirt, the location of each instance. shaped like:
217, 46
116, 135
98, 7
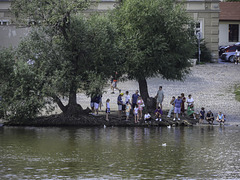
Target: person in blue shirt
220, 118
134, 99
177, 107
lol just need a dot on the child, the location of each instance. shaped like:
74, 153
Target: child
128, 108
158, 113
107, 109
202, 115
147, 118
136, 114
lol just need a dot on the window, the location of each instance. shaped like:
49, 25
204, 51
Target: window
233, 32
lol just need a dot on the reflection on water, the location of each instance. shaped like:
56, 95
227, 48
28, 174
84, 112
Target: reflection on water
202, 152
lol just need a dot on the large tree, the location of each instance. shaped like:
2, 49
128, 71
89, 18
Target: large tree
66, 53
158, 39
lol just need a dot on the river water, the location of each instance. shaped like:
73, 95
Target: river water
200, 152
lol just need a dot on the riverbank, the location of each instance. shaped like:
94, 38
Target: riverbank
211, 85
88, 120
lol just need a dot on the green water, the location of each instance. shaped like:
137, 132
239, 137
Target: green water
120, 153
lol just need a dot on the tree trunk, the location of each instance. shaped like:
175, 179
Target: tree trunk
73, 109
150, 103
143, 89
59, 103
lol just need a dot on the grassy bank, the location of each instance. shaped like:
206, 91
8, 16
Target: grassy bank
237, 92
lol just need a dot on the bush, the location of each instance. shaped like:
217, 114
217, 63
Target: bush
205, 52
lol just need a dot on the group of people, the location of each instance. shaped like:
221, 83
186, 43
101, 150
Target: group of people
135, 104
178, 106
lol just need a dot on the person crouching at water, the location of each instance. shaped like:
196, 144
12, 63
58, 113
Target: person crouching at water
220, 118
158, 113
209, 117
191, 112
202, 115
107, 109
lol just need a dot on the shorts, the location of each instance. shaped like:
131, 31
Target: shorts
92, 104
108, 110
127, 113
177, 110
96, 105
119, 107
114, 84
123, 107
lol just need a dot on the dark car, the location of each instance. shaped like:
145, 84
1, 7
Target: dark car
221, 49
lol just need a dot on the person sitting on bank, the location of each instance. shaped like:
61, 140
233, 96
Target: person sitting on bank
158, 113
220, 118
147, 117
209, 117
202, 115
190, 111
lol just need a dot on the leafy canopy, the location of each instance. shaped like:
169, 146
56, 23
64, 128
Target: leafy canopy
67, 52
157, 36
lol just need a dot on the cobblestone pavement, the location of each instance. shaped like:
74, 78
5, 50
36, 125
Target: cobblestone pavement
211, 86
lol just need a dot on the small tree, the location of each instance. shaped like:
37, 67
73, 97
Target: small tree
157, 37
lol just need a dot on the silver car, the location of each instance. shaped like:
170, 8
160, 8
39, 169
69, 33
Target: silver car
229, 54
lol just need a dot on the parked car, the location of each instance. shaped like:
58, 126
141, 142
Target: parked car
221, 49
229, 53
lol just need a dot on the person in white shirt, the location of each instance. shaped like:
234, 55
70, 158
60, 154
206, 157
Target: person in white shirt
190, 100
237, 54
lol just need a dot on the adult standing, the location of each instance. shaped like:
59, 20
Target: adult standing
140, 104
96, 103
183, 104
172, 108
237, 54
127, 98
177, 107
190, 100
114, 83
159, 97
120, 104
134, 99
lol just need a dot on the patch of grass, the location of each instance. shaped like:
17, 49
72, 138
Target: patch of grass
237, 92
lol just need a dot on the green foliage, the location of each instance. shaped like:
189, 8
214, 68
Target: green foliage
205, 55
47, 12
237, 92
71, 53
21, 98
232, 0
156, 36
